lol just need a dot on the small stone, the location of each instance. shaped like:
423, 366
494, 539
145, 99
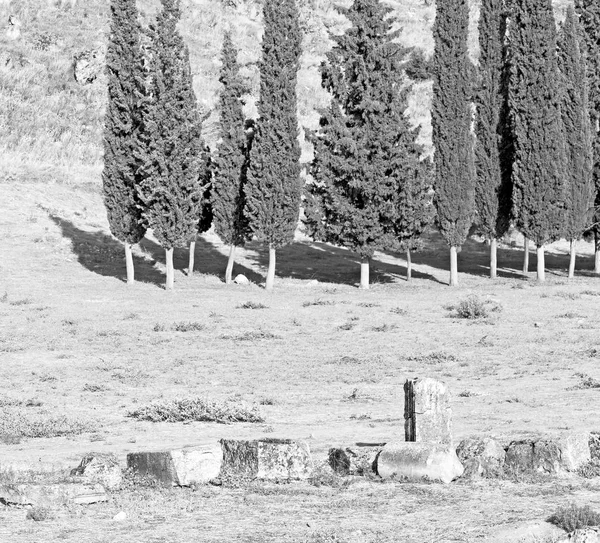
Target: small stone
120, 516
418, 461
178, 467
270, 459
481, 457
312, 283
100, 468
241, 280
88, 65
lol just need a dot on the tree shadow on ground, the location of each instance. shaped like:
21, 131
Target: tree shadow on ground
329, 264
104, 255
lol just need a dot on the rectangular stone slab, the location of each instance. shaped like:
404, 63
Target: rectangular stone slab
178, 467
270, 459
52, 494
427, 411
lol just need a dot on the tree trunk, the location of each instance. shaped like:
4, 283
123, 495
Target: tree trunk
526, 256
493, 258
271, 272
408, 265
192, 255
364, 273
129, 264
229, 269
572, 260
541, 271
596, 252
170, 271
453, 267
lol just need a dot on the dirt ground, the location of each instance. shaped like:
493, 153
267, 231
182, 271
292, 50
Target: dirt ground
324, 361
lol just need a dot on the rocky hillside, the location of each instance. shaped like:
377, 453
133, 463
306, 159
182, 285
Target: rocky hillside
51, 113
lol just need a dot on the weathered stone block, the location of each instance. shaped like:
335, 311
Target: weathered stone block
52, 494
481, 457
427, 411
417, 461
100, 468
575, 449
519, 455
271, 459
359, 459
179, 467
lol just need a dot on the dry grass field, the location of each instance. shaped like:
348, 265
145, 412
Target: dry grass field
325, 362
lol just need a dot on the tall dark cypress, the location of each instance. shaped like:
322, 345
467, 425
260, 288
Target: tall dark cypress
454, 182
231, 160
580, 191
369, 191
534, 99
493, 190
122, 125
172, 189
589, 18
274, 187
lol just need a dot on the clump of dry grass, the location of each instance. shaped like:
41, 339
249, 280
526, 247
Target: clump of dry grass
16, 425
188, 326
251, 335
252, 305
473, 307
40, 513
586, 382
435, 357
575, 517
318, 301
196, 409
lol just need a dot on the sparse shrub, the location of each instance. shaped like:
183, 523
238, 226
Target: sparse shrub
318, 301
347, 326
368, 304
267, 401
40, 513
251, 336
252, 305
473, 307
436, 357
90, 387
384, 328
590, 469
398, 311
196, 409
13, 422
24, 301
188, 326
466, 394
590, 293
567, 295
574, 517
586, 382
159, 327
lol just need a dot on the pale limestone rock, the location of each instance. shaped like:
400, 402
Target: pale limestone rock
575, 449
417, 461
270, 459
178, 467
241, 280
120, 516
427, 411
481, 457
100, 468
519, 455
354, 460
88, 65
52, 494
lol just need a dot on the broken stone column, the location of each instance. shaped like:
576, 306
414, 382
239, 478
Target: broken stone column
359, 459
270, 459
427, 411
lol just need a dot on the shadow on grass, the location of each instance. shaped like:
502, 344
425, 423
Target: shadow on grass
104, 255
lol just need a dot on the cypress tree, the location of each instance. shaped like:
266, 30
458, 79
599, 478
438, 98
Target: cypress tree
493, 190
534, 100
368, 192
206, 215
454, 183
580, 191
273, 189
172, 190
122, 125
589, 18
231, 161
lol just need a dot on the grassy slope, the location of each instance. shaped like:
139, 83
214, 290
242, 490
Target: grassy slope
50, 127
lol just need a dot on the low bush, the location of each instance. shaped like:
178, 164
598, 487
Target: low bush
252, 305
196, 409
574, 517
318, 301
473, 307
188, 327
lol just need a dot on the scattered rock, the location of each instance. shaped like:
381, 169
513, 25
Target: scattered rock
591, 534
179, 467
271, 459
13, 30
417, 461
427, 411
356, 460
55, 494
88, 65
241, 280
120, 516
312, 283
481, 457
100, 468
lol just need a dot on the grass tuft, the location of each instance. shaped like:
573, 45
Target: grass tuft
318, 301
14, 424
252, 335
196, 409
188, 326
590, 469
436, 357
586, 382
252, 305
40, 513
473, 307
574, 517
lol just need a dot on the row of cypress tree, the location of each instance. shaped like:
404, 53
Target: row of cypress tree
532, 161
